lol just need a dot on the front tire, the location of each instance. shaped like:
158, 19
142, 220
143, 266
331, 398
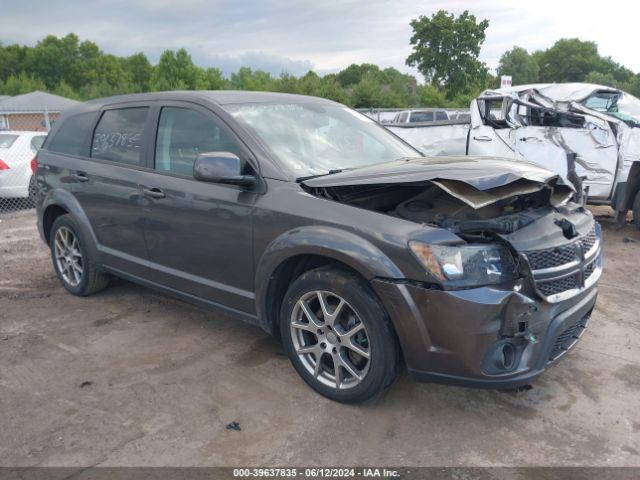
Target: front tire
71, 258
338, 336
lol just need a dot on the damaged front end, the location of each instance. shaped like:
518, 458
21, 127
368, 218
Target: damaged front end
517, 206
524, 267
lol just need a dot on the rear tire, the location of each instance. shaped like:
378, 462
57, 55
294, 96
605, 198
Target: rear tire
330, 316
33, 192
71, 258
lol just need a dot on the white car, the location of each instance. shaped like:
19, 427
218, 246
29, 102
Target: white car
17, 165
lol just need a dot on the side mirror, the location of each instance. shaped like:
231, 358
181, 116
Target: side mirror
221, 167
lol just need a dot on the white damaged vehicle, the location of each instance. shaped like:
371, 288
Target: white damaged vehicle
588, 134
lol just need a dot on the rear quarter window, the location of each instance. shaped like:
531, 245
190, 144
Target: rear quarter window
72, 135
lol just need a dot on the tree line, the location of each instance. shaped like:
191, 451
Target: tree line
445, 49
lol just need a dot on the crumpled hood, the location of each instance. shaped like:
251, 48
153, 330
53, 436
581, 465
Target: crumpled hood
482, 173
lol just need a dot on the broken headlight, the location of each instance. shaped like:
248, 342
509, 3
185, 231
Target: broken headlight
466, 265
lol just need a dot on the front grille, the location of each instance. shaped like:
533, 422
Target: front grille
568, 337
552, 257
560, 269
551, 287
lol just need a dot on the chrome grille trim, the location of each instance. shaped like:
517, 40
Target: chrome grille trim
562, 281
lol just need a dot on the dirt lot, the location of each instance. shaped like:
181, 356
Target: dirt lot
131, 377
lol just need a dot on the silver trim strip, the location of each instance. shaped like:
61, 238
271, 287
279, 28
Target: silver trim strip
565, 266
588, 283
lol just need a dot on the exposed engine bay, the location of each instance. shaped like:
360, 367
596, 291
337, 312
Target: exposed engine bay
454, 205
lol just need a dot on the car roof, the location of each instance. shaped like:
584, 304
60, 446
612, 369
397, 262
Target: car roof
220, 97
558, 92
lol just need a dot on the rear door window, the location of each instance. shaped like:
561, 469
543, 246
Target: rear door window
7, 140
182, 135
119, 134
72, 136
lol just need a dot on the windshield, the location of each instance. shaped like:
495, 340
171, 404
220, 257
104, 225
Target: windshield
7, 140
617, 104
313, 139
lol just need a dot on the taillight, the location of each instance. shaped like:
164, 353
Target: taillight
34, 165
3, 166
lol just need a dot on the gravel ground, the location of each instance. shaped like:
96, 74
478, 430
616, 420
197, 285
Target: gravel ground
131, 377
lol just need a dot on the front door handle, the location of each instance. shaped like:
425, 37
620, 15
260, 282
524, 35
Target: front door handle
153, 192
483, 138
81, 177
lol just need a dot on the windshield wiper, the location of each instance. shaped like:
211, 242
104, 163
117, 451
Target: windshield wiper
330, 172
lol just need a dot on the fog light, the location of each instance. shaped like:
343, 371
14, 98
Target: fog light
508, 356
503, 356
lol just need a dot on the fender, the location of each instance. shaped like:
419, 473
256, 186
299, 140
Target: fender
330, 242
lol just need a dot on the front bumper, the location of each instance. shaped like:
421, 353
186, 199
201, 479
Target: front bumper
457, 337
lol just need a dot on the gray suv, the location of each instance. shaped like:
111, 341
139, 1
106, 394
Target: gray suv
311, 221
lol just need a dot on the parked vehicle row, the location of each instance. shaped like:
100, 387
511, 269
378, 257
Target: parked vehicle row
312, 221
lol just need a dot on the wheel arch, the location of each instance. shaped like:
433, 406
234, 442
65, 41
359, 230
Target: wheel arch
296, 252
61, 202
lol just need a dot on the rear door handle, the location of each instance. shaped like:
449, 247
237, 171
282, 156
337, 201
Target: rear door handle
483, 138
81, 177
153, 192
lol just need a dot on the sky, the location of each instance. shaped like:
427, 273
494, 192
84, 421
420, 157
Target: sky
295, 36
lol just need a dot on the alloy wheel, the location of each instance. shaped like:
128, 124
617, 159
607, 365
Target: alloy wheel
68, 256
330, 339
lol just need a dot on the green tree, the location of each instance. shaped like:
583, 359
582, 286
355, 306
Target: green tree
366, 93
353, 74
446, 50
53, 59
522, 66
569, 60
330, 88
430, 96
139, 70
21, 83
247, 79
212, 79
309, 83
11, 60
286, 83
176, 71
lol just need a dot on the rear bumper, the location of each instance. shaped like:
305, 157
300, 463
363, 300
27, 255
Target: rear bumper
458, 337
14, 191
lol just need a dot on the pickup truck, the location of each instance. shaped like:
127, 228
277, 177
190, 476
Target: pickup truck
588, 134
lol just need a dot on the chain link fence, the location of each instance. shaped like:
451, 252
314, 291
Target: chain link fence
22, 133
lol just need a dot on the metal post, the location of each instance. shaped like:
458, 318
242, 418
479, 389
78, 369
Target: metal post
47, 123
